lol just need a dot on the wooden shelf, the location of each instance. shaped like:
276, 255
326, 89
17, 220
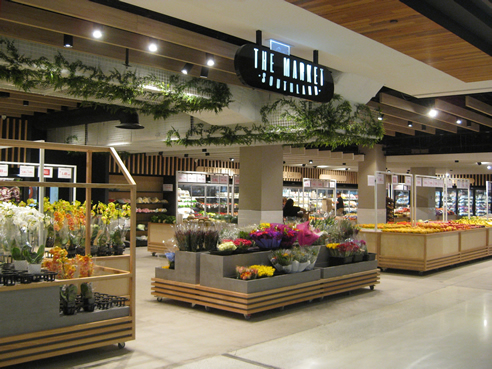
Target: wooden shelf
49, 334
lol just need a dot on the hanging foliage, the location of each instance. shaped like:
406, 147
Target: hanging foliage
126, 88
331, 124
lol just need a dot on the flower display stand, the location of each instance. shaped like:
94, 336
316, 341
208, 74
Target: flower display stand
32, 328
424, 252
218, 288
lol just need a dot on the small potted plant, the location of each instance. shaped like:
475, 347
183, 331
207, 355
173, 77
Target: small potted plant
34, 260
19, 257
88, 301
68, 298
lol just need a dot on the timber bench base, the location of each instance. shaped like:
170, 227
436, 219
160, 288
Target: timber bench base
250, 303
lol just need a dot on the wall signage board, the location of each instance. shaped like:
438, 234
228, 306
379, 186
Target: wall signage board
65, 173
48, 172
26, 171
259, 67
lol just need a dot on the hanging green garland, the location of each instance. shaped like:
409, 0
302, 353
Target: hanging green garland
330, 124
126, 88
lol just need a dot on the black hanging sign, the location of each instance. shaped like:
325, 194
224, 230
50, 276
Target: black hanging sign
259, 67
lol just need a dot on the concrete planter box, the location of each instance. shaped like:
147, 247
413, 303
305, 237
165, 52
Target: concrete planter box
339, 270
37, 309
219, 272
263, 284
186, 268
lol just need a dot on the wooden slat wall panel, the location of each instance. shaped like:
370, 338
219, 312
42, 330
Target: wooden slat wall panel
17, 129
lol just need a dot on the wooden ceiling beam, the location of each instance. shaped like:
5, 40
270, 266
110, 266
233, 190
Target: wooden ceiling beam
397, 128
62, 24
389, 132
120, 19
411, 107
477, 105
462, 113
415, 126
110, 51
34, 99
405, 115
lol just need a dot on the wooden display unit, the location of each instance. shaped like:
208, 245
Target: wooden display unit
423, 252
159, 235
215, 285
45, 333
148, 187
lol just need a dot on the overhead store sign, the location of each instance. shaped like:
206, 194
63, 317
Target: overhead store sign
258, 66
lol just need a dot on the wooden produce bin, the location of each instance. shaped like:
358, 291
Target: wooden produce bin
159, 235
423, 252
40, 332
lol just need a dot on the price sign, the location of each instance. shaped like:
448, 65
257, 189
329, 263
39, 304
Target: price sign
236, 180
4, 170
371, 180
380, 178
224, 179
418, 181
26, 171
394, 179
306, 182
201, 178
65, 173
48, 172
408, 180
182, 177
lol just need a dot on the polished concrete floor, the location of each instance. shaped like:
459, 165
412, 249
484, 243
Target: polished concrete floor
439, 320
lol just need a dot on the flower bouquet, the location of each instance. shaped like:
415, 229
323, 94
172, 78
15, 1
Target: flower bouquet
225, 248
170, 256
289, 235
342, 253
264, 270
246, 273
306, 237
267, 237
282, 260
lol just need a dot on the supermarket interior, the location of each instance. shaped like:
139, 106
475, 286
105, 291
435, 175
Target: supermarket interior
249, 184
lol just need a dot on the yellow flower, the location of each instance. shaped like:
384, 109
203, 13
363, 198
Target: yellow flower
332, 245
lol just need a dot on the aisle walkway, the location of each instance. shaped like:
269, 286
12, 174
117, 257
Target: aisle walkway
440, 320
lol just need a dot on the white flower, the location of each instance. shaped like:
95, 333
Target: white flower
226, 246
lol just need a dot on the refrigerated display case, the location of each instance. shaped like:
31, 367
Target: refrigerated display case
402, 203
235, 195
479, 203
351, 202
294, 193
314, 191
201, 193
465, 202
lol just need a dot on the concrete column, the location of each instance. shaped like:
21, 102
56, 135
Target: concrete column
260, 185
426, 196
374, 160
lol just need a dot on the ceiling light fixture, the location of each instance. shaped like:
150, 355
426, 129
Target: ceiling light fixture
185, 155
380, 116
231, 159
67, 41
310, 162
25, 103
489, 167
303, 165
97, 32
204, 72
152, 46
346, 168
456, 161
204, 150
207, 154
210, 60
129, 121
479, 163
459, 121
187, 68
410, 124
432, 113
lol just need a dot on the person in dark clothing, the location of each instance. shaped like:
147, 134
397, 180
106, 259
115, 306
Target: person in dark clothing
340, 204
290, 210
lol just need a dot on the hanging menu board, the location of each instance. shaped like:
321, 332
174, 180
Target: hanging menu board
4, 170
192, 178
65, 173
26, 171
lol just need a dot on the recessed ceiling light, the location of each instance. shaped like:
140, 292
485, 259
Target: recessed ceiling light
432, 113
310, 162
459, 121
152, 46
489, 167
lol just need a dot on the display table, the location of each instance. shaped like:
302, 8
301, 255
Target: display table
217, 287
423, 252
